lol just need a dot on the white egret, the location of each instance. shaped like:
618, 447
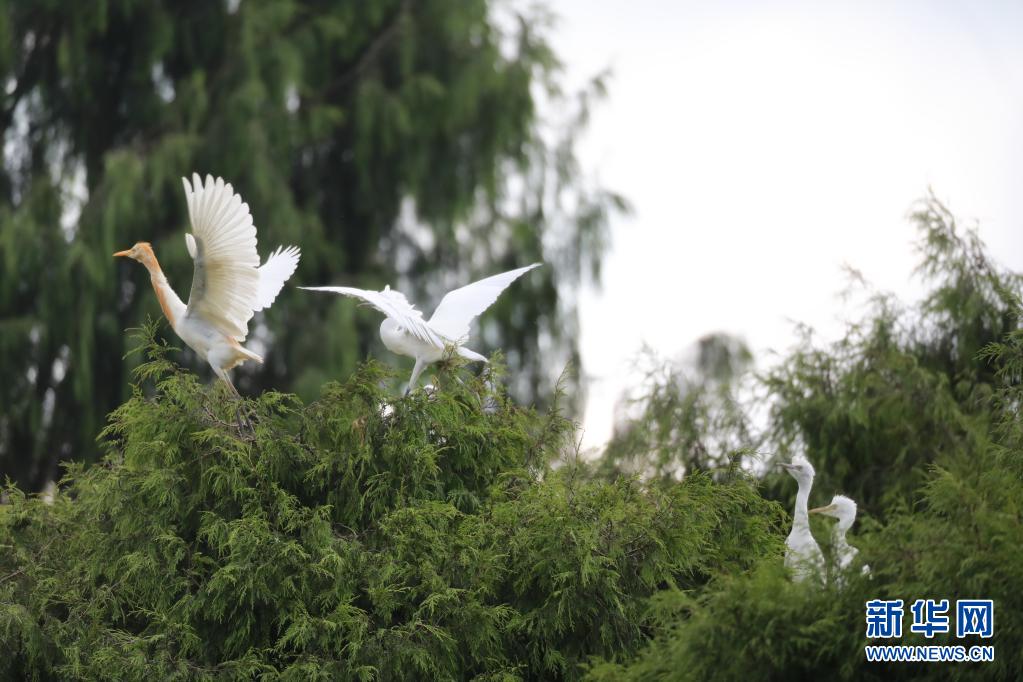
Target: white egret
405, 332
802, 555
843, 509
228, 283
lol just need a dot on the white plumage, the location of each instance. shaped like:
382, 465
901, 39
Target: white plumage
405, 332
844, 509
225, 282
277, 269
396, 307
460, 307
802, 554
228, 284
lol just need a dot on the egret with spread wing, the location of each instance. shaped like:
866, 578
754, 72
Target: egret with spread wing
228, 283
802, 554
405, 332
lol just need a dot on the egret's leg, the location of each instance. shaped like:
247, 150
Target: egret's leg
227, 380
243, 421
416, 371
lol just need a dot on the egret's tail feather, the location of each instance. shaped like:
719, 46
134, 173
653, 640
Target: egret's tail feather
241, 354
250, 355
470, 355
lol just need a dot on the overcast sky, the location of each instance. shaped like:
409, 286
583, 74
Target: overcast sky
765, 144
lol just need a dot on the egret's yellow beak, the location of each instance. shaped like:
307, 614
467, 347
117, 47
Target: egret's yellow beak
824, 510
123, 253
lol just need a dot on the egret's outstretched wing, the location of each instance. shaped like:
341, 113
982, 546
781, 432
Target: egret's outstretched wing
460, 307
225, 284
395, 306
274, 273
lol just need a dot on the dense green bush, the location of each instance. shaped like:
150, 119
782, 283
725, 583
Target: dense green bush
361, 536
962, 540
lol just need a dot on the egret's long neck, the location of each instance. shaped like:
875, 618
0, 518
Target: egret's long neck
172, 306
839, 534
800, 517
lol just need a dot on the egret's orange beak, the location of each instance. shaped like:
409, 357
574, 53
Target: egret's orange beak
123, 253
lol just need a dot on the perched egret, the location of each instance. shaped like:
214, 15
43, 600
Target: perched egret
228, 283
843, 509
802, 555
405, 332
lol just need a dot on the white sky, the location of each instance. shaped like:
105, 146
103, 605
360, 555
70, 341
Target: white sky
764, 145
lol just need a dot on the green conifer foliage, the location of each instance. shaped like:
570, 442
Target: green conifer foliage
686, 421
961, 540
361, 536
906, 387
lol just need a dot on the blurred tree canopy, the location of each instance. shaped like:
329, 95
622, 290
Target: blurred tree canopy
394, 142
872, 410
684, 417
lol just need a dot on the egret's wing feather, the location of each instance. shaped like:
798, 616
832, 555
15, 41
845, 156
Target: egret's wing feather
225, 284
395, 306
274, 273
460, 307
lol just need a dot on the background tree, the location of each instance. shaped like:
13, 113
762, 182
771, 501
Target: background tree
874, 410
685, 416
906, 386
394, 141
914, 414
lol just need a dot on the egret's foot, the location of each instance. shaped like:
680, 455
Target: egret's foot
244, 423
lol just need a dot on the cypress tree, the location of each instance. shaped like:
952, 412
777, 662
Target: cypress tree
447, 534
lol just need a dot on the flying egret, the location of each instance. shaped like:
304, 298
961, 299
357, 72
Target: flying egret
228, 283
405, 332
843, 509
802, 555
